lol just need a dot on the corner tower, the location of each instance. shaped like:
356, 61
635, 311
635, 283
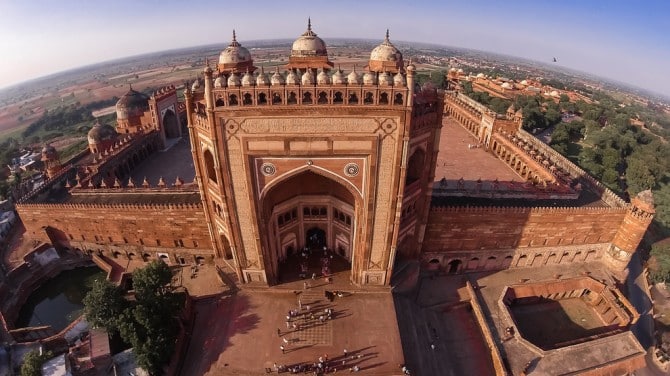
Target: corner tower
284, 164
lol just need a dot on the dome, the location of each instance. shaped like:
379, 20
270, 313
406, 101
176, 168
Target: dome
524, 82
277, 78
460, 70
100, 133
292, 78
353, 78
399, 79
132, 103
386, 51
452, 70
506, 85
369, 78
49, 152
196, 85
308, 78
554, 93
322, 78
234, 53
262, 79
220, 82
338, 77
248, 79
308, 44
480, 75
385, 79
234, 80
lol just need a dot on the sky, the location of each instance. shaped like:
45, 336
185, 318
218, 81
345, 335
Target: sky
628, 41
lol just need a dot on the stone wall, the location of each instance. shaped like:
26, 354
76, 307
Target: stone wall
471, 228
137, 229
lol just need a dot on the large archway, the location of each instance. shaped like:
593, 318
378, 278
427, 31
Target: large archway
309, 221
171, 125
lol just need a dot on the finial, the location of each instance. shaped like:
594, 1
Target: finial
387, 34
234, 37
309, 24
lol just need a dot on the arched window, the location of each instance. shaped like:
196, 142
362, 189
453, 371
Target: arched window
384, 98
292, 98
262, 98
353, 98
219, 102
232, 100
323, 98
247, 99
369, 98
338, 99
415, 166
307, 98
209, 166
398, 99
276, 98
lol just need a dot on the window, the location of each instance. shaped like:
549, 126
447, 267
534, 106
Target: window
353, 98
209, 166
247, 99
262, 98
158, 242
195, 244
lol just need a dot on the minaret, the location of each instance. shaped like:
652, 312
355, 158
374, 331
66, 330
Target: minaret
631, 231
51, 161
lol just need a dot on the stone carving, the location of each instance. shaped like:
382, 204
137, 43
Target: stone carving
268, 169
351, 169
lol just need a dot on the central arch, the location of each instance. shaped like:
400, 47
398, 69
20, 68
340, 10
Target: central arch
171, 125
318, 215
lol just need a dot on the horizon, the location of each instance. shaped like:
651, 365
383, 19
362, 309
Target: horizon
616, 41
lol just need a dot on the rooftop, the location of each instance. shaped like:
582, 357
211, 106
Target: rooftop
175, 161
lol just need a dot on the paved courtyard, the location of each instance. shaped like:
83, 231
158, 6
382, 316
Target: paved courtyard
237, 334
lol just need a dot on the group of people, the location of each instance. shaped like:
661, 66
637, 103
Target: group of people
326, 258
321, 366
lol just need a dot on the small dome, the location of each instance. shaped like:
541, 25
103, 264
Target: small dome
277, 78
338, 77
49, 152
506, 85
554, 93
369, 78
480, 75
234, 80
308, 78
386, 51
262, 79
308, 44
452, 70
322, 78
292, 78
196, 85
460, 70
399, 79
248, 79
524, 82
234, 53
385, 79
220, 82
353, 78
132, 103
100, 133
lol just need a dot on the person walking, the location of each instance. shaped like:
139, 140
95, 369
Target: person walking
345, 352
283, 349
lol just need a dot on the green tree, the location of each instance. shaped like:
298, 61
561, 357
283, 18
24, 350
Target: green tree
638, 176
151, 325
103, 305
33, 361
659, 262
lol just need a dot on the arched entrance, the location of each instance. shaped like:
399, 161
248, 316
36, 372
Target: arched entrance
171, 125
309, 227
315, 238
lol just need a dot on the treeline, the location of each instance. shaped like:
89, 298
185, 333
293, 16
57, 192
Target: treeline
66, 116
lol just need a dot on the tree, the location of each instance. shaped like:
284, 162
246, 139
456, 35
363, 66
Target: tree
659, 262
103, 305
33, 361
151, 325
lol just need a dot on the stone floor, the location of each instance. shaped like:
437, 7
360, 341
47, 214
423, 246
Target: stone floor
169, 164
237, 334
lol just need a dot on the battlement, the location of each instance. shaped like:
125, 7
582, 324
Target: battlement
164, 92
566, 210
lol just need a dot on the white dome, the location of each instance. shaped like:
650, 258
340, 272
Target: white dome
554, 93
353, 78
234, 80
399, 79
262, 79
452, 70
308, 78
506, 85
524, 82
308, 44
338, 77
385, 79
292, 78
234, 53
277, 78
369, 78
196, 85
386, 51
480, 75
248, 79
322, 78
220, 82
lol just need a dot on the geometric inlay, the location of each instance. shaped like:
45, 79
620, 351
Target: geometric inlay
268, 169
351, 169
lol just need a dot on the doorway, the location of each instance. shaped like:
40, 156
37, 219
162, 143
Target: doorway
315, 238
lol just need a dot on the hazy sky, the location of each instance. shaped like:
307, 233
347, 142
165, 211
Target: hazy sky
624, 40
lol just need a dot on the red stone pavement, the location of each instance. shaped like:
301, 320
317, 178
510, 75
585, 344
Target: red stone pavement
237, 334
